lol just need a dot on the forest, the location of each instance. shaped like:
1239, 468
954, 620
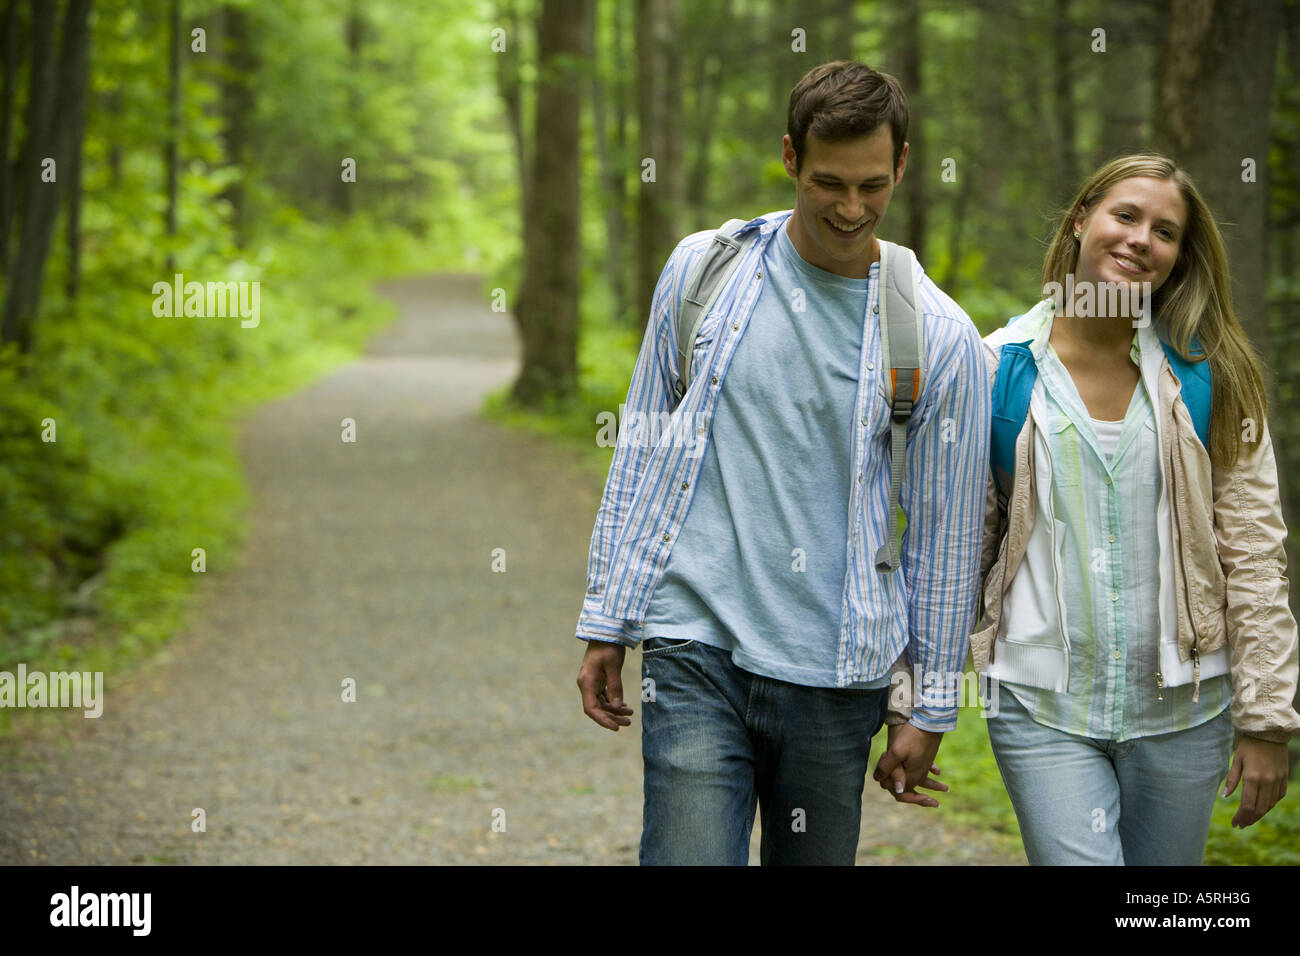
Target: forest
198, 197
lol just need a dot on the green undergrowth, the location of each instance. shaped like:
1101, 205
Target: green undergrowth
606, 358
100, 525
977, 798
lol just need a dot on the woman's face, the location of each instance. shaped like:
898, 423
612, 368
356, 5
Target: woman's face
1132, 234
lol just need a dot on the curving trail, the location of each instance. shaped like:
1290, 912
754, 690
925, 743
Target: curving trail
372, 561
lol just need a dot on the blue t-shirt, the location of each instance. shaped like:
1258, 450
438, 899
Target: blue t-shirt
760, 562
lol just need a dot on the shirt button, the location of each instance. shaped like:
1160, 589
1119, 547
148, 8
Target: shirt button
1114, 595
876, 309
1118, 655
736, 327
667, 537
1110, 538
864, 421
685, 485
859, 477
1108, 479
871, 366
715, 380
758, 274
700, 430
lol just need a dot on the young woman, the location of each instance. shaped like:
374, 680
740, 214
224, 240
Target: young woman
1135, 598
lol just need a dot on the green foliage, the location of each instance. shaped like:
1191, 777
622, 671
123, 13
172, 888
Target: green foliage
978, 797
98, 526
1273, 841
141, 475
606, 358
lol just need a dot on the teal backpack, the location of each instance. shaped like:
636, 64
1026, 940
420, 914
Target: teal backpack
1014, 381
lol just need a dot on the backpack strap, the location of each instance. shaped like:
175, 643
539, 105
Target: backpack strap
1197, 387
901, 339
702, 287
1014, 383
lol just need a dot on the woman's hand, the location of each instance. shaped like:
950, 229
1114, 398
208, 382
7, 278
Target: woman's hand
1263, 766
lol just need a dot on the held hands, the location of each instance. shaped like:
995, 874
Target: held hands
904, 764
600, 679
1263, 767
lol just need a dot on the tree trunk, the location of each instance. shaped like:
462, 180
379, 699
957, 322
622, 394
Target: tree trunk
909, 75
1215, 91
37, 201
238, 68
11, 62
354, 34
708, 84
72, 99
547, 310
511, 89
623, 107
173, 130
846, 28
952, 281
1064, 36
659, 108
612, 169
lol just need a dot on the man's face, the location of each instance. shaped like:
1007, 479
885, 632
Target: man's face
846, 183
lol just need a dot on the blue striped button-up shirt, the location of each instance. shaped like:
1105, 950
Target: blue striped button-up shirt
927, 607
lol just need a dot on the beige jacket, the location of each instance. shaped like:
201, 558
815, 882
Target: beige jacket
1226, 538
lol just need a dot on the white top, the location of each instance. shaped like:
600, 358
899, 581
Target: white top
1108, 435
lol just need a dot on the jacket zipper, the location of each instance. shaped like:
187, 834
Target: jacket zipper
1196, 673
1056, 564
1175, 512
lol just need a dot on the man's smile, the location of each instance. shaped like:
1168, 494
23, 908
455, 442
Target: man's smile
848, 230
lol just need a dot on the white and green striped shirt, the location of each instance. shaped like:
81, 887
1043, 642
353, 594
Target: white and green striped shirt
1106, 506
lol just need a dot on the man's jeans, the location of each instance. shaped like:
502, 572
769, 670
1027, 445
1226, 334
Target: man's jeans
717, 739
1079, 800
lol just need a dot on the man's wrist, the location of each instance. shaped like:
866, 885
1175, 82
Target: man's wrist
934, 720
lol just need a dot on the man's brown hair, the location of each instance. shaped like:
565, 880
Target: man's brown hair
845, 99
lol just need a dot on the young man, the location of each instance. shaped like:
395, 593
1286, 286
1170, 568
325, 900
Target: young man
740, 543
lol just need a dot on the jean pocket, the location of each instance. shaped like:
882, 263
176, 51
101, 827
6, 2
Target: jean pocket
654, 646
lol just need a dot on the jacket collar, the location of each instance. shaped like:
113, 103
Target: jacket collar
1035, 327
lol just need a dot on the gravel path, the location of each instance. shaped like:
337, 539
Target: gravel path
372, 561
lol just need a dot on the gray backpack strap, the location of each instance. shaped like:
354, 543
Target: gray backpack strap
901, 346
702, 287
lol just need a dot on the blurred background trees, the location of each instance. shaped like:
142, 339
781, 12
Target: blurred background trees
558, 148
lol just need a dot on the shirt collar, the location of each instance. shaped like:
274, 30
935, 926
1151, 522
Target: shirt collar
766, 224
1036, 327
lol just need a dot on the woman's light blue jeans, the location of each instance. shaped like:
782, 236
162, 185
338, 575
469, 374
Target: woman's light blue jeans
1080, 800
717, 739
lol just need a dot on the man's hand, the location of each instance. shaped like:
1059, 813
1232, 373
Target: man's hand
907, 762
600, 678
1263, 766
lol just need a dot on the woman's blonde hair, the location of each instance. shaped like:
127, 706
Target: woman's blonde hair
1195, 299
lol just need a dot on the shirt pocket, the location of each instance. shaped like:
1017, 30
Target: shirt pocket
1067, 453
1147, 446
